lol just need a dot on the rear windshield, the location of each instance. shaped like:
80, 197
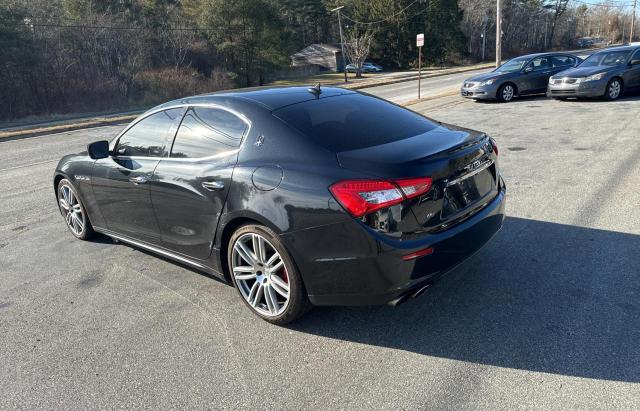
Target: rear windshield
353, 121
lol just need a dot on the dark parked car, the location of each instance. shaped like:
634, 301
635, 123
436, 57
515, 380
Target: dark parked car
518, 77
297, 196
607, 73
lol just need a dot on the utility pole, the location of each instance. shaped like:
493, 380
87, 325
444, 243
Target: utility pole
633, 21
498, 34
344, 61
485, 21
419, 69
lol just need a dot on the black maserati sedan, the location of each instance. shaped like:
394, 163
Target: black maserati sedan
296, 196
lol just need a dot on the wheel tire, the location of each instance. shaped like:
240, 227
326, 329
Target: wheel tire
506, 92
613, 92
76, 217
298, 302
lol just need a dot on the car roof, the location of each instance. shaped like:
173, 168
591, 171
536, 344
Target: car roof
555, 53
271, 98
617, 48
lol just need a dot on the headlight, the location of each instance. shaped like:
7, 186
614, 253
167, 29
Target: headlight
551, 80
594, 77
487, 82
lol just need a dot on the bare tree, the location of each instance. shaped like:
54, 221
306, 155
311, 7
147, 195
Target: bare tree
357, 46
558, 8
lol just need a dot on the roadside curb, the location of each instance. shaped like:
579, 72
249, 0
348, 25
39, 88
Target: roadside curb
359, 86
91, 123
435, 97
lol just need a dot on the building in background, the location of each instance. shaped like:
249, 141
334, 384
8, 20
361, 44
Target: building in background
325, 57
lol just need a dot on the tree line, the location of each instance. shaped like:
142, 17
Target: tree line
59, 56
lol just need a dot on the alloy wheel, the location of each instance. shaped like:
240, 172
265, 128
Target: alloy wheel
260, 274
71, 209
507, 93
614, 89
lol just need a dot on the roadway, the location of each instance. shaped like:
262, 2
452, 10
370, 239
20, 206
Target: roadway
547, 316
434, 86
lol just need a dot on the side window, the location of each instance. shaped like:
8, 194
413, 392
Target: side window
562, 61
636, 55
207, 131
148, 137
540, 63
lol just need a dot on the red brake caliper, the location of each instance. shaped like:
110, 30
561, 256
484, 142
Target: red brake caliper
285, 276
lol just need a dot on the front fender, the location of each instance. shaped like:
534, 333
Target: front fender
77, 168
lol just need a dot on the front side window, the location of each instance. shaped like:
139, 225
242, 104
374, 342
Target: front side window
611, 58
562, 61
148, 137
206, 132
540, 64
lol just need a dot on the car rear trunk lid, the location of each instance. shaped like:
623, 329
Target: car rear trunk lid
461, 163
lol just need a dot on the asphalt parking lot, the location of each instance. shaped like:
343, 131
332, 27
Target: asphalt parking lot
547, 315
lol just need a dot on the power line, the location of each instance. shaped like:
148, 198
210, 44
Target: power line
379, 21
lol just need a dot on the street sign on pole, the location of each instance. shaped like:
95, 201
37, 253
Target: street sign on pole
419, 43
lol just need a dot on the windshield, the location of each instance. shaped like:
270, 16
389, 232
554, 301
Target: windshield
611, 58
512, 65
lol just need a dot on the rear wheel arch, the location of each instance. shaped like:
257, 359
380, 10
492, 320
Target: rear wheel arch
228, 229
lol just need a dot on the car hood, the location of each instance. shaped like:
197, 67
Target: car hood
583, 71
488, 76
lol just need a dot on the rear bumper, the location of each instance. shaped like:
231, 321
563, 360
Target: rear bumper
589, 89
350, 264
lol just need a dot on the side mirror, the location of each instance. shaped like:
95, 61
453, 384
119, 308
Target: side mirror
528, 69
98, 150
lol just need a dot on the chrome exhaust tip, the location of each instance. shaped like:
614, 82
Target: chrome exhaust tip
421, 291
409, 295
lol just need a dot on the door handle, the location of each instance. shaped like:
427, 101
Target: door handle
213, 185
138, 180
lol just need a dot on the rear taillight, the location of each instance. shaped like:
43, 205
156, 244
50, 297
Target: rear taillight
494, 145
360, 197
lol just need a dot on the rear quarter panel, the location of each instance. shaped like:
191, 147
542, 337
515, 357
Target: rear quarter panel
282, 180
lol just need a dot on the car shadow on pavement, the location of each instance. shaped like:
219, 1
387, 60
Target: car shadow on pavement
626, 97
519, 99
541, 296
